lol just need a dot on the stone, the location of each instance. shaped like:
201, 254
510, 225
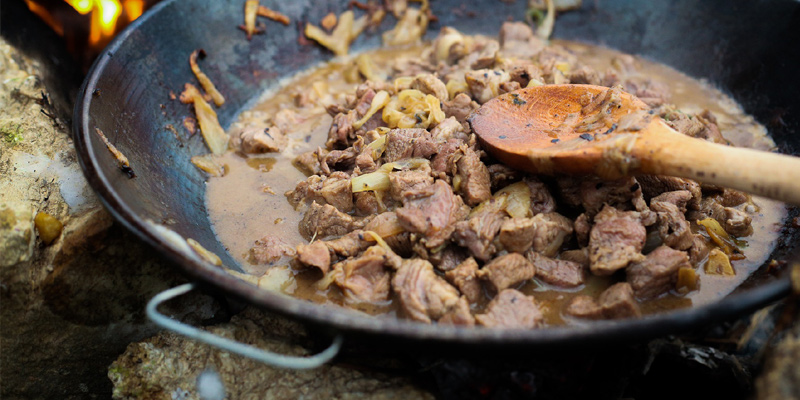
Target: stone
16, 233
167, 364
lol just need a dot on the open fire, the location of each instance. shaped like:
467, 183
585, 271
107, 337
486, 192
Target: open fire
88, 25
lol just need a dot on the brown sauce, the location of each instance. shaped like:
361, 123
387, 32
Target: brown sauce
248, 202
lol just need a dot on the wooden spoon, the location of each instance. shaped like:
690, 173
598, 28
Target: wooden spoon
544, 130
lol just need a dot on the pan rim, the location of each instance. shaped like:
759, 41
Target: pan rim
346, 321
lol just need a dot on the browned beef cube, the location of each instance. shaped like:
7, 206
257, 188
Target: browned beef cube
541, 199
679, 198
472, 176
517, 40
624, 194
423, 295
673, 228
449, 258
614, 303
322, 221
512, 309
460, 107
430, 84
464, 278
582, 227
502, 175
477, 234
507, 271
443, 163
364, 279
580, 256
458, 315
658, 273
348, 245
734, 221
431, 212
516, 234
550, 231
699, 250
654, 185
584, 307
561, 273
616, 240
334, 190
617, 302
308, 162
342, 130
315, 255
409, 143
269, 249
403, 181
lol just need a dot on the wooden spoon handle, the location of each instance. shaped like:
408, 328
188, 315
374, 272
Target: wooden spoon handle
663, 151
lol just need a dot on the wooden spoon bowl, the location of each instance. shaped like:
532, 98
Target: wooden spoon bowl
544, 130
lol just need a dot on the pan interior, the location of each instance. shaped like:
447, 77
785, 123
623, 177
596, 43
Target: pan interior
165, 202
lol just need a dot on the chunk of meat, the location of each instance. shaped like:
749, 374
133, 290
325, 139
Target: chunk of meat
516, 234
656, 274
254, 139
616, 302
472, 177
616, 240
409, 143
448, 129
315, 255
432, 212
651, 92
525, 73
406, 180
736, 222
322, 221
342, 130
654, 185
561, 273
584, 307
699, 250
348, 245
449, 258
582, 227
502, 175
672, 227
477, 234
308, 162
585, 75
517, 40
460, 107
458, 315
269, 249
444, 161
364, 279
429, 84
624, 194
550, 231
541, 199
423, 295
512, 309
507, 271
544, 232
580, 256
484, 83
679, 198
463, 277
334, 189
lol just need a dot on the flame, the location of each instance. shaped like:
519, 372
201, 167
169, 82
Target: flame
104, 20
81, 6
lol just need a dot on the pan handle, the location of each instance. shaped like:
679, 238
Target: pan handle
266, 357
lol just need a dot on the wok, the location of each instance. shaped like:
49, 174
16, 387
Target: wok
745, 47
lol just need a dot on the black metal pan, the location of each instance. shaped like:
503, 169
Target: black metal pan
746, 48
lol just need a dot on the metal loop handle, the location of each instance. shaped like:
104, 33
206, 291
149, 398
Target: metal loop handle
266, 357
